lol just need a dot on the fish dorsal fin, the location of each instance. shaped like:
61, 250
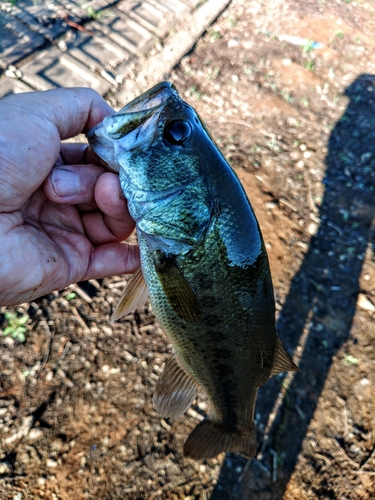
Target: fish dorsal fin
283, 362
134, 295
178, 291
175, 390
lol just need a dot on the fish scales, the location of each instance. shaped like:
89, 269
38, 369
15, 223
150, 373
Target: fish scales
204, 265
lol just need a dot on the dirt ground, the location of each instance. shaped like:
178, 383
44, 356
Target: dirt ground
297, 122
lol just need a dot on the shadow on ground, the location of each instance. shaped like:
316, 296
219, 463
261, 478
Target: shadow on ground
320, 306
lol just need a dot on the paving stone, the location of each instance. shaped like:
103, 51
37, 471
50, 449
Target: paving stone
125, 32
12, 86
47, 19
192, 3
16, 40
83, 10
153, 17
175, 6
22, 3
52, 68
98, 52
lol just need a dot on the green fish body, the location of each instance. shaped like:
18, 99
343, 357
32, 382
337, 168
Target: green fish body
204, 266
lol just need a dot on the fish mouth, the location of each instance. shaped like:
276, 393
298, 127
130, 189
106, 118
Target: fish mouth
134, 126
152, 98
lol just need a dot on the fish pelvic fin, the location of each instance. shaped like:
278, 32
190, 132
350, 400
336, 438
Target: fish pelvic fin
175, 390
134, 295
209, 439
177, 289
283, 362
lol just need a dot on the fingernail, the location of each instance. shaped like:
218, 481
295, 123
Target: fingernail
65, 182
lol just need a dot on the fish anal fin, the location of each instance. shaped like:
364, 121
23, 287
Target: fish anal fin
175, 390
134, 295
209, 439
177, 289
283, 362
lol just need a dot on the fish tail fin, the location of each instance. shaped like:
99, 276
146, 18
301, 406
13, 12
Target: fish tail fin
209, 439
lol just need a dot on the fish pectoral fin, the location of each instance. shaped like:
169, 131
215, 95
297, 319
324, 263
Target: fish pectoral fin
134, 295
209, 439
283, 362
177, 289
175, 390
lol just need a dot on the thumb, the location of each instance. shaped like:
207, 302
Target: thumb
31, 129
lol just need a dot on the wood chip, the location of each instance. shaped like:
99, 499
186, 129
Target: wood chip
79, 319
364, 303
23, 430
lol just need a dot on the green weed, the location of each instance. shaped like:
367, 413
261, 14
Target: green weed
195, 93
351, 360
308, 47
215, 34
310, 65
95, 14
286, 96
232, 22
16, 326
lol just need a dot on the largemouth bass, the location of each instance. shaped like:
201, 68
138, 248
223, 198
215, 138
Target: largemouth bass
204, 266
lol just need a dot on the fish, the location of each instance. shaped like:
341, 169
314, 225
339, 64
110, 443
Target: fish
204, 267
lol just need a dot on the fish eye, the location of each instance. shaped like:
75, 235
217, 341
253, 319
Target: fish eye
177, 132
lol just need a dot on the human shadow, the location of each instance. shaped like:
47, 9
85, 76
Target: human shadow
318, 312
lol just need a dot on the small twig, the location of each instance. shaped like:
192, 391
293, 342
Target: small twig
49, 343
78, 290
23, 430
336, 228
314, 218
122, 393
274, 465
324, 458
61, 352
194, 414
117, 284
300, 412
244, 471
310, 198
78, 27
343, 452
282, 201
156, 494
95, 284
80, 320
263, 467
66, 379
343, 402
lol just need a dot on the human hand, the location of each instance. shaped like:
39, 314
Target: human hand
62, 216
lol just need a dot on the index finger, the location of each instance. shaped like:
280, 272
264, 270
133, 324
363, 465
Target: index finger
74, 110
